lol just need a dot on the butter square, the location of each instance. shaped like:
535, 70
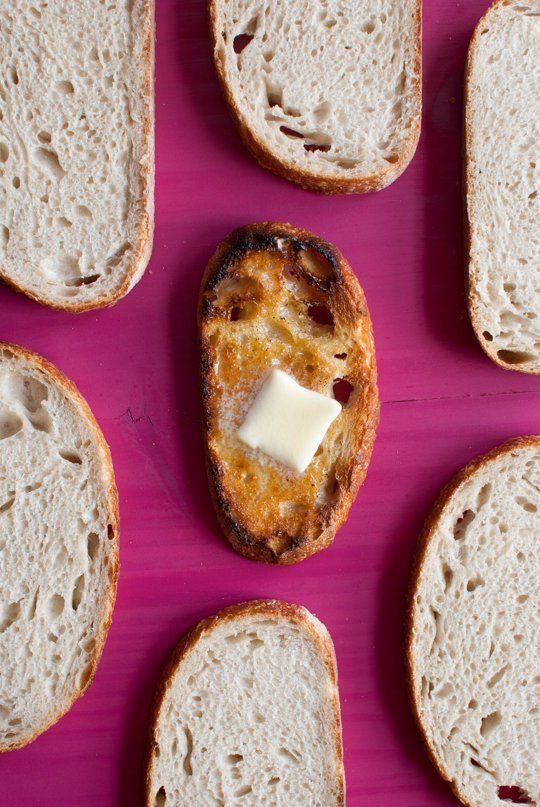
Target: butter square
287, 421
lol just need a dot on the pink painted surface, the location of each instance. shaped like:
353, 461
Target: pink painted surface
443, 402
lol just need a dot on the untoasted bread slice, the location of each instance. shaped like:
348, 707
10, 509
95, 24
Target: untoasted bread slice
58, 545
326, 95
502, 136
473, 652
247, 712
76, 149
277, 296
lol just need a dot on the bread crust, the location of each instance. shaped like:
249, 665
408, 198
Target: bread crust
266, 608
70, 390
430, 527
311, 180
467, 171
240, 242
144, 203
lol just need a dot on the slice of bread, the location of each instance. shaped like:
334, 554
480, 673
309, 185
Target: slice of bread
58, 545
473, 639
502, 173
76, 149
248, 713
326, 95
274, 296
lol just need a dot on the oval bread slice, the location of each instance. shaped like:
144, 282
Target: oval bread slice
248, 713
274, 296
327, 95
502, 137
473, 642
76, 149
58, 545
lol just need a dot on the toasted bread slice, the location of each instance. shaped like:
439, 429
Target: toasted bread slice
276, 296
502, 137
473, 652
247, 712
58, 545
326, 95
76, 149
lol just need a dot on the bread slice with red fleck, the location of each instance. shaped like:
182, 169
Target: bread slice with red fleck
275, 296
472, 642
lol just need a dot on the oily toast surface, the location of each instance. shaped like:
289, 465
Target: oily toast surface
277, 296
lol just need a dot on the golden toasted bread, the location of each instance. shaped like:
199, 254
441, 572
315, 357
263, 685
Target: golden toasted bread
277, 296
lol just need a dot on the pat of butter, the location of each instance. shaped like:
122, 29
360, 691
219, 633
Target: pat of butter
287, 421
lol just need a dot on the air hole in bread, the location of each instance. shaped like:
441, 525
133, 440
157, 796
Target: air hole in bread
44, 137
10, 423
161, 798
243, 791
82, 281
64, 87
13, 75
317, 147
281, 543
234, 313
368, 27
55, 605
488, 336
70, 456
4, 152
498, 676
288, 755
514, 794
475, 583
47, 161
92, 545
8, 504
78, 591
85, 676
16, 182
316, 264
110, 532
448, 576
8, 615
340, 355
490, 723
461, 525
234, 759
342, 390
241, 41
292, 133
528, 506
392, 158
188, 770
321, 315
4, 236
515, 356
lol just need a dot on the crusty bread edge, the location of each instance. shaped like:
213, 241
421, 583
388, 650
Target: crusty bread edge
467, 174
275, 609
237, 535
426, 536
144, 203
311, 180
71, 392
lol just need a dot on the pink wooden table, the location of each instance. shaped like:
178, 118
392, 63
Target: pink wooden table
443, 402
